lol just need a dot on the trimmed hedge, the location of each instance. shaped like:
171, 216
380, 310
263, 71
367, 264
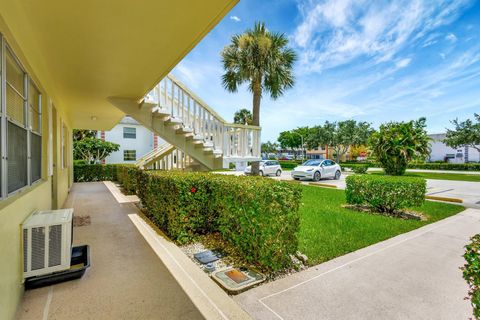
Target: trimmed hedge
356, 167
94, 172
445, 166
360, 169
258, 216
289, 164
127, 176
471, 273
385, 193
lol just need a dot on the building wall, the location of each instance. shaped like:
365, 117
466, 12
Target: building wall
142, 144
49, 192
439, 151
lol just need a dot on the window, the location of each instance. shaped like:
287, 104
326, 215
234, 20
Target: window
64, 146
129, 155
129, 133
20, 125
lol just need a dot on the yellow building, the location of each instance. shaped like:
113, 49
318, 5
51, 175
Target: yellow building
61, 61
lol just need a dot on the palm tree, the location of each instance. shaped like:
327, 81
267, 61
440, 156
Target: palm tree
242, 116
261, 59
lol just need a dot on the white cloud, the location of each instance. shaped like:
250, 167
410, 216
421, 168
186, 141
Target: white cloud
442, 55
403, 63
235, 18
336, 32
451, 37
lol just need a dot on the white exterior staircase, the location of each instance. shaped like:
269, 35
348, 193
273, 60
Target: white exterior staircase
191, 127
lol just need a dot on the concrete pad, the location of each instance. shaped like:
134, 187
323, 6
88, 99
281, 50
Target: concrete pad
415, 275
126, 279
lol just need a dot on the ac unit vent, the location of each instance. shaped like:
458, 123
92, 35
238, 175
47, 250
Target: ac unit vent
25, 249
38, 248
55, 246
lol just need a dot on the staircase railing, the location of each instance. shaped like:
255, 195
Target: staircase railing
232, 140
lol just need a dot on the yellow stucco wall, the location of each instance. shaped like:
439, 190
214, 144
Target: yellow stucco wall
16, 208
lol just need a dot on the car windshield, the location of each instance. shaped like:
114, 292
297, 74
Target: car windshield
312, 163
262, 163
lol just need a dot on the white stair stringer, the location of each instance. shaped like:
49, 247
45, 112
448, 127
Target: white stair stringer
191, 127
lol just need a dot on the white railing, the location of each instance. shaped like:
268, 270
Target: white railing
231, 139
156, 152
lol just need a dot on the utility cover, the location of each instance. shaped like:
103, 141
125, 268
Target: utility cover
235, 280
208, 256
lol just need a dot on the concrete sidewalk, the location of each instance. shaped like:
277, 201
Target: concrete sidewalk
126, 279
412, 276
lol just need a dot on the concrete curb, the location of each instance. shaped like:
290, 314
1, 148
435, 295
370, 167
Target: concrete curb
211, 300
455, 200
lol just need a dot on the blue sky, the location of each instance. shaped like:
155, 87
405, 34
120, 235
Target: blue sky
373, 61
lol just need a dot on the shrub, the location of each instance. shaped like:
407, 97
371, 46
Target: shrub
445, 166
471, 273
385, 193
289, 164
258, 216
94, 172
360, 168
127, 176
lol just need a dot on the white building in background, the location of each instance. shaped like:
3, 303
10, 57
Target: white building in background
134, 139
441, 152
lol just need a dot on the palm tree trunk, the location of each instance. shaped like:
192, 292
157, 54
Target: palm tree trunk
257, 95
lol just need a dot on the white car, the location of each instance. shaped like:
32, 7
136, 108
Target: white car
316, 169
267, 167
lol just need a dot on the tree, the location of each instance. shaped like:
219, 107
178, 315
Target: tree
397, 143
269, 147
242, 116
93, 150
340, 136
79, 134
261, 59
289, 140
466, 133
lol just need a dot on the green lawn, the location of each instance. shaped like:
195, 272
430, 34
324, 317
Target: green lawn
327, 230
439, 176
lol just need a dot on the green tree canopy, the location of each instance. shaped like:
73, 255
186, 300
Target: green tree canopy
93, 150
466, 133
262, 60
340, 135
269, 147
79, 134
242, 116
397, 143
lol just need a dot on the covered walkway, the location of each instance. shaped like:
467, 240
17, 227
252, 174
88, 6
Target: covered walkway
126, 279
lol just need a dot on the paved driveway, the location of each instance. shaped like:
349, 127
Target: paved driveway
412, 276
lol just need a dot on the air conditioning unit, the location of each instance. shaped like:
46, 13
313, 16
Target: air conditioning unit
47, 242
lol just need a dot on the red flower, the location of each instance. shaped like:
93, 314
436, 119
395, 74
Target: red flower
193, 190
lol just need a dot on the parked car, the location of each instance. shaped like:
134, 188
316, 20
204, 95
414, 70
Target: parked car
316, 169
269, 167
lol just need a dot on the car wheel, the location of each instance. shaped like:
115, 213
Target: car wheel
279, 172
337, 175
316, 176
261, 173
296, 178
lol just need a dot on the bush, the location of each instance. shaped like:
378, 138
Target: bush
289, 164
360, 168
127, 176
94, 172
445, 166
471, 273
385, 193
258, 216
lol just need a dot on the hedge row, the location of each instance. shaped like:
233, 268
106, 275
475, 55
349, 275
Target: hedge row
289, 164
471, 273
385, 193
445, 166
258, 216
127, 176
94, 172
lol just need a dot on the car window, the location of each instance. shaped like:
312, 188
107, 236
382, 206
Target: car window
262, 163
311, 162
275, 163
327, 163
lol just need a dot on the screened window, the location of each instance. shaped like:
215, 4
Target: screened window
20, 125
129, 155
129, 133
64, 146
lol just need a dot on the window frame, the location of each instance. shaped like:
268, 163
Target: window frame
135, 154
129, 133
5, 49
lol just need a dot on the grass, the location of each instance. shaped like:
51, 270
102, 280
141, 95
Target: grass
439, 176
327, 230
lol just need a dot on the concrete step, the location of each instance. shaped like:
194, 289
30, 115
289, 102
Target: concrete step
173, 121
